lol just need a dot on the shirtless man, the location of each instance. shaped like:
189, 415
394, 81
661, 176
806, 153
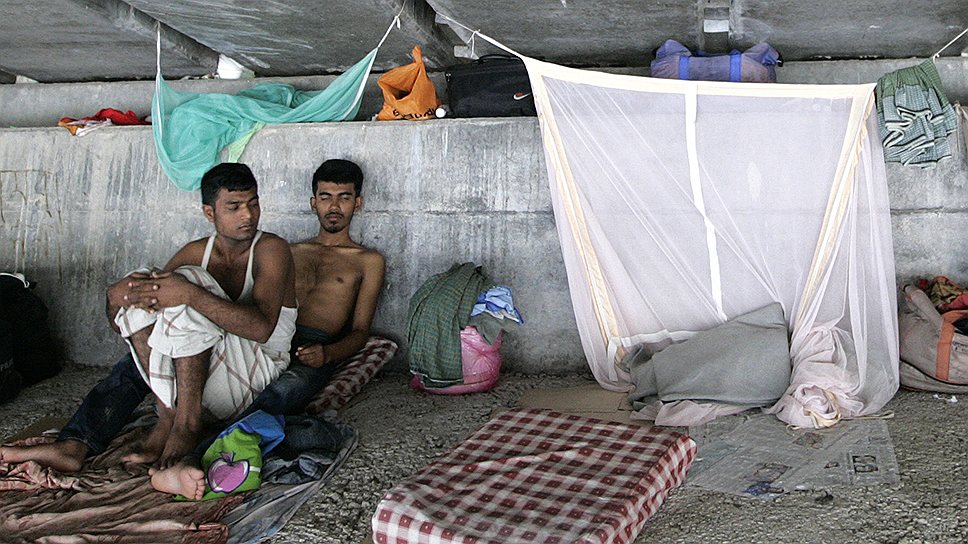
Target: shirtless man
338, 281
226, 336
338, 284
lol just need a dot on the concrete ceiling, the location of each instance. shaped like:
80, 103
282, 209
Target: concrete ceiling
90, 40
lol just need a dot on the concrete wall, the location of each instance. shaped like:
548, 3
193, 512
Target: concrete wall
77, 212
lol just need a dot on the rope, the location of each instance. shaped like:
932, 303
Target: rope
395, 22
963, 32
483, 36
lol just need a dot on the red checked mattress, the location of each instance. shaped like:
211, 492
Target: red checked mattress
538, 476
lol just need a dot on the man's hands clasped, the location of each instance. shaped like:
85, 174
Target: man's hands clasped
152, 291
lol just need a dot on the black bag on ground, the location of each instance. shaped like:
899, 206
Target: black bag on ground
10, 380
491, 86
23, 316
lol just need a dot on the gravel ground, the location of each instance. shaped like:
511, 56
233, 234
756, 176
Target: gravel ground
400, 431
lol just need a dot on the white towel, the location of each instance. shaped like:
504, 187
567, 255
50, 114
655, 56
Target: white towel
239, 368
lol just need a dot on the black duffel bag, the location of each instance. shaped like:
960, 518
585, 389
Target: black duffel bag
11, 382
26, 335
491, 86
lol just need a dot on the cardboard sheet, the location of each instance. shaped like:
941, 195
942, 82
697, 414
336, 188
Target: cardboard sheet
588, 400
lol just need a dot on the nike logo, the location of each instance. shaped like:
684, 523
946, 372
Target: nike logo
521, 96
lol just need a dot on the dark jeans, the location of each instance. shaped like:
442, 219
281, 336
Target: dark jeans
109, 406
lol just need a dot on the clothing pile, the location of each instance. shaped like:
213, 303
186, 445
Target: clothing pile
915, 115
495, 312
947, 296
103, 118
454, 329
743, 363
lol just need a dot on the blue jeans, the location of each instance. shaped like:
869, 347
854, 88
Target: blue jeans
109, 406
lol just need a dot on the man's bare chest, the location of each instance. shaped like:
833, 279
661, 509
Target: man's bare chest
231, 277
326, 274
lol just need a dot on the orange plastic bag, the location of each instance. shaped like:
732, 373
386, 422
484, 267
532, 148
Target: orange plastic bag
407, 92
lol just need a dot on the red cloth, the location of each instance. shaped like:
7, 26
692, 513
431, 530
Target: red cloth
945, 294
118, 117
103, 118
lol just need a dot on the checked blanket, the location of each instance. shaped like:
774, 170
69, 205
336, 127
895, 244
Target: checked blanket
538, 476
352, 375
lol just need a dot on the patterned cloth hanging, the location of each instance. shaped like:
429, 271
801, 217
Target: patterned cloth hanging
915, 116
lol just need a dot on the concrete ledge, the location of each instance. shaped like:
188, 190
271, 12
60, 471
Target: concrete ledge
953, 72
42, 105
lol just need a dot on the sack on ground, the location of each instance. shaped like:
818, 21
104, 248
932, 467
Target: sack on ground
407, 92
23, 315
934, 355
492, 86
480, 363
757, 64
11, 382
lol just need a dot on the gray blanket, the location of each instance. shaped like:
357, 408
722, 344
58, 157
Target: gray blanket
744, 361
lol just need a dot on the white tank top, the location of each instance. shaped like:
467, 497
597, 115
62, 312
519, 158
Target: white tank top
286, 324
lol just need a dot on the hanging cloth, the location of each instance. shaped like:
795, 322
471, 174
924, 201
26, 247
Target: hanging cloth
915, 116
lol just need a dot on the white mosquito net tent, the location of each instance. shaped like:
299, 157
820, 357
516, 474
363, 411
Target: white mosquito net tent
681, 204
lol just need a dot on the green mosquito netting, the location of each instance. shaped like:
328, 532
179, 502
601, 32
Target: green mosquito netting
190, 129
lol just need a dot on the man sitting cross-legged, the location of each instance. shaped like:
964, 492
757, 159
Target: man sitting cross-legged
210, 331
338, 284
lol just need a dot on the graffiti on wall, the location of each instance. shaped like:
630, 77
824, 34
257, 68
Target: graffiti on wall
31, 217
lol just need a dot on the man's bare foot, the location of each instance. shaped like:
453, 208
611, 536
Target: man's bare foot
65, 455
183, 478
151, 449
181, 442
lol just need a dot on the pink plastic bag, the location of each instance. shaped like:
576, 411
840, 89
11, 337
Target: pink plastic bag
480, 361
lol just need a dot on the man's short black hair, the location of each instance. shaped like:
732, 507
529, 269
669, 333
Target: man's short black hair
339, 171
232, 176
